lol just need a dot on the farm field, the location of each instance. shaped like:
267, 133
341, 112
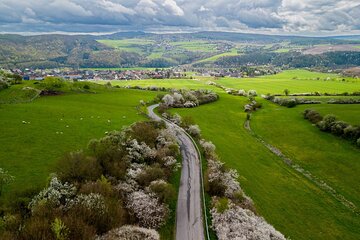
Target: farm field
293, 204
297, 81
29, 151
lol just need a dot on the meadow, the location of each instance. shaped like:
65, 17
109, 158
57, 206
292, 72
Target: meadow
56, 125
293, 204
296, 81
167, 83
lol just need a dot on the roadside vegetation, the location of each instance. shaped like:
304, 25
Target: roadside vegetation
118, 180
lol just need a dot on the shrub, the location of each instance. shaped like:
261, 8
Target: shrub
150, 174
78, 228
77, 167
328, 121
194, 130
163, 190
131, 232
222, 205
5, 178
52, 84
312, 115
238, 223
36, 228
59, 229
145, 132
252, 93
358, 142
352, 133
338, 127
147, 209
168, 100
56, 194
286, 91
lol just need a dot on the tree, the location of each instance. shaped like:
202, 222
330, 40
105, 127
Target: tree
286, 91
5, 178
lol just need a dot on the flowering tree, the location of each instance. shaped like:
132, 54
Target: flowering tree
168, 100
131, 232
238, 223
147, 209
57, 194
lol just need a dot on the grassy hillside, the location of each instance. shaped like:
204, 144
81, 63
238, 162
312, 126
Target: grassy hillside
295, 206
58, 124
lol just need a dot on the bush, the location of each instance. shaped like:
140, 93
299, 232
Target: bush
163, 190
150, 174
312, 115
358, 142
131, 232
222, 205
328, 122
52, 84
194, 131
77, 167
36, 228
338, 127
352, 133
146, 132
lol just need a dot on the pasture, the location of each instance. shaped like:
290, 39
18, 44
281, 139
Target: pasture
56, 125
167, 83
297, 81
293, 204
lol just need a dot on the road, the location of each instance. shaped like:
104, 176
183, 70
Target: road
189, 221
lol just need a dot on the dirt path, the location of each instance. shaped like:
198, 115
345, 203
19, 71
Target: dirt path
189, 220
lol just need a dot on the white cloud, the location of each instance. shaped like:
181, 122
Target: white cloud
251, 15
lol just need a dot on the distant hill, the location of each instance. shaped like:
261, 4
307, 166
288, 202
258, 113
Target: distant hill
145, 49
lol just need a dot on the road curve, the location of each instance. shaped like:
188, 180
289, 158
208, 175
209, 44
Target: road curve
189, 221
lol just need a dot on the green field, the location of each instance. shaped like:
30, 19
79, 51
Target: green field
297, 81
29, 151
233, 52
196, 46
167, 83
349, 113
293, 204
128, 45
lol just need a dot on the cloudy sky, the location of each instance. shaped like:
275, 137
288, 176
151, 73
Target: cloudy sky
305, 17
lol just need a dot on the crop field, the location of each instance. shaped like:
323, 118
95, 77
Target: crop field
296, 81
56, 125
293, 204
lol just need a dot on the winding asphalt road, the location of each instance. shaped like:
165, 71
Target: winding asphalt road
189, 221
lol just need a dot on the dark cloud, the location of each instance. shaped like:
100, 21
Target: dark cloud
282, 16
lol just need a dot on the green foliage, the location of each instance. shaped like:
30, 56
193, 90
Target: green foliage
222, 205
59, 229
5, 178
52, 84
150, 174
77, 167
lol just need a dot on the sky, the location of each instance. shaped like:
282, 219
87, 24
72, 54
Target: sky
289, 17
